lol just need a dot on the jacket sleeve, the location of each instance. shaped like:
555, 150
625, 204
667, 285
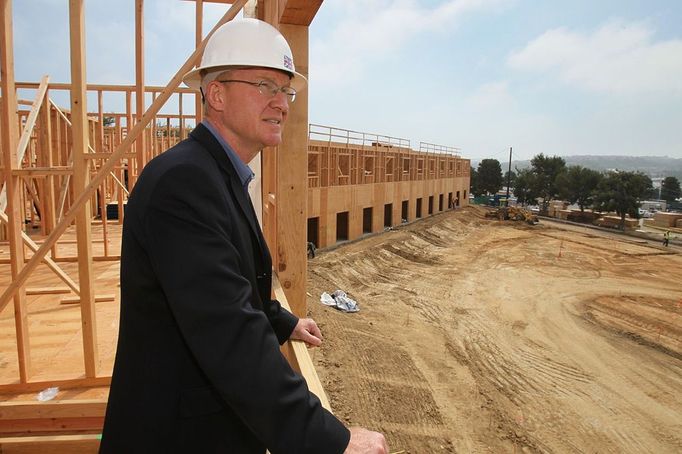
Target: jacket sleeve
283, 322
190, 243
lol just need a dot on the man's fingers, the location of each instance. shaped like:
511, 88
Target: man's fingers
312, 340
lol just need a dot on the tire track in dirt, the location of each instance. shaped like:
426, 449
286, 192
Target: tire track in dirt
472, 337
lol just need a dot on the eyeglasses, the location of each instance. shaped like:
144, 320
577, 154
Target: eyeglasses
267, 88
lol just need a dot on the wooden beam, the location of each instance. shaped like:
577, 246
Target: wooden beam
81, 178
104, 87
139, 81
48, 219
20, 418
54, 444
300, 12
292, 184
78, 300
36, 172
80, 382
122, 148
47, 290
198, 32
80, 408
8, 125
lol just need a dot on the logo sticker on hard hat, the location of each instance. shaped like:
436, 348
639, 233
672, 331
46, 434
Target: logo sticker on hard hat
288, 63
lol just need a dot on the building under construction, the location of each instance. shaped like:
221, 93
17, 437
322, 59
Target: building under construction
66, 174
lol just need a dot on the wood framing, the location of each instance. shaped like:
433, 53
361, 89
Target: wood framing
360, 183
84, 185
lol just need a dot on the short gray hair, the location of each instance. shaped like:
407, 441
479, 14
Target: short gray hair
207, 79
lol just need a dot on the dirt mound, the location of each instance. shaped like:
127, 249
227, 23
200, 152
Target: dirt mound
483, 336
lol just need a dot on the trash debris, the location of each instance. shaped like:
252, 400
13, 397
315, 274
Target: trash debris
340, 301
47, 394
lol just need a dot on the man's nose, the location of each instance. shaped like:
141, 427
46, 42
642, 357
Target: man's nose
280, 101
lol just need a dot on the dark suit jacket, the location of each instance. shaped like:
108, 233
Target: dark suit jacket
198, 367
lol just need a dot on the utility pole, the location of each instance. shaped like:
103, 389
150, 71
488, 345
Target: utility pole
509, 175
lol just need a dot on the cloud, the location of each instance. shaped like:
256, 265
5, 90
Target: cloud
491, 95
617, 58
370, 30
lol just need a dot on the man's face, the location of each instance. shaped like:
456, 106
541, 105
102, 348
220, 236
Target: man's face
251, 120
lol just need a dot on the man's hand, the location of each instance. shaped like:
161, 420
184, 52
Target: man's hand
363, 441
306, 330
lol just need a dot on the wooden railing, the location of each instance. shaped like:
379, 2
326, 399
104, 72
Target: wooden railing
340, 157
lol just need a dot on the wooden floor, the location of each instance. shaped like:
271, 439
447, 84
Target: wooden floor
55, 328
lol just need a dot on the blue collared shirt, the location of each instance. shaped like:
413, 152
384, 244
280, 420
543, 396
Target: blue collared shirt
244, 172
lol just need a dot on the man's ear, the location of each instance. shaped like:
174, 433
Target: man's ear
215, 96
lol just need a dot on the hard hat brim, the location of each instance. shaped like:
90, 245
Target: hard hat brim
193, 78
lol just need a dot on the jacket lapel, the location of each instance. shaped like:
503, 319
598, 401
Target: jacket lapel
211, 144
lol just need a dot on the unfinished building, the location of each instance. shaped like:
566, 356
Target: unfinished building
67, 172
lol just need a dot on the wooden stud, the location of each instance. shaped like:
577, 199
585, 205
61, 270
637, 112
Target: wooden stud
292, 181
47, 290
81, 177
15, 219
79, 300
60, 444
139, 81
198, 32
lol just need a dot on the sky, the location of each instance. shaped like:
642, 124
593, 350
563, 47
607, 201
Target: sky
579, 77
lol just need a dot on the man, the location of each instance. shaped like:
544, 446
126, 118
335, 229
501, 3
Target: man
666, 238
198, 367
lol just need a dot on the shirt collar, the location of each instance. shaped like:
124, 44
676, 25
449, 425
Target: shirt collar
244, 172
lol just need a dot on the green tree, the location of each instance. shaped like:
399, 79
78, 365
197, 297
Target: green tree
473, 181
546, 171
621, 192
524, 187
670, 189
108, 121
489, 176
577, 185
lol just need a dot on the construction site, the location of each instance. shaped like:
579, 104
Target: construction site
474, 334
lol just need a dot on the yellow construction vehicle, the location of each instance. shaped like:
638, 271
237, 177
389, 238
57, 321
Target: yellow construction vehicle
513, 214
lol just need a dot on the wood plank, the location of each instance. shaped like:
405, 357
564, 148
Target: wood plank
300, 12
81, 178
79, 408
35, 172
15, 217
77, 299
105, 87
62, 384
47, 290
198, 35
39, 426
52, 444
139, 82
292, 184
45, 140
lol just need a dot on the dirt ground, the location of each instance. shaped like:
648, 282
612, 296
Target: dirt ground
476, 335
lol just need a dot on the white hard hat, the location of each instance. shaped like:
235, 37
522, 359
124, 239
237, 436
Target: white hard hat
246, 42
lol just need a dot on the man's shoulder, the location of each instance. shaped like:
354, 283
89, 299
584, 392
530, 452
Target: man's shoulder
188, 151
